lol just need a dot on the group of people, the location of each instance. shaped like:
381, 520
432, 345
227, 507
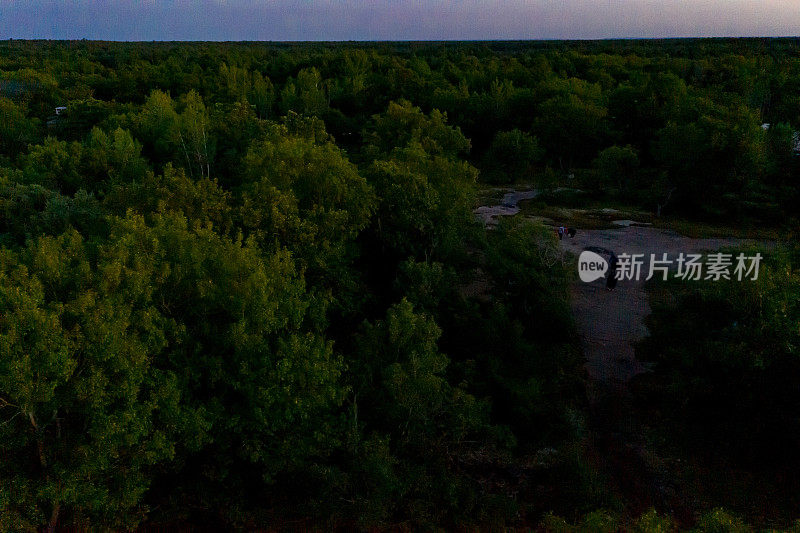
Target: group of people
563, 230
611, 278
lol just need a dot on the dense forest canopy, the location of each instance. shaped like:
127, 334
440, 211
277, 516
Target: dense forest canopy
713, 120
237, 279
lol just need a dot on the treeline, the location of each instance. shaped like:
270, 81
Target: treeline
705, 128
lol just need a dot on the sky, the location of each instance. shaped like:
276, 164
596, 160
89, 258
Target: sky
335, 20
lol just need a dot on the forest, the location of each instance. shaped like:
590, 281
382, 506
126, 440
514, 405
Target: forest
242, 286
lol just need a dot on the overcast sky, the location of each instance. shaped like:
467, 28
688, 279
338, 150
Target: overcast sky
393, 19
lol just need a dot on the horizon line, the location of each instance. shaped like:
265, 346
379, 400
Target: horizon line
410, 41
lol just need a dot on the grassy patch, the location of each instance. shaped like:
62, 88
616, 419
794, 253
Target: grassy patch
698, 230
581, 218
583, 210
493, 195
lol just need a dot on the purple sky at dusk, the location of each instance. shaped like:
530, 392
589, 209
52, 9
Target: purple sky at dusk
283, 20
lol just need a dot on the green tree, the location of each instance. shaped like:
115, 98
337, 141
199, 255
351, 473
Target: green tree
306, 94
82, 116
16, 129
402, 391
715, 161
573, 123
28, 211
54, 164
109, 158
311, 198
157, 125
725, 357
511, 156
262, 95
246, 342
164, 343
404, 124
425, 193
201, 202
195, 141
84, 413
617, 167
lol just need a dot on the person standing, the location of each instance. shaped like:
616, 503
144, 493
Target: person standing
611, 279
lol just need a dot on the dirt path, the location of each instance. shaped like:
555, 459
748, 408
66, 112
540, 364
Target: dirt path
610, 323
